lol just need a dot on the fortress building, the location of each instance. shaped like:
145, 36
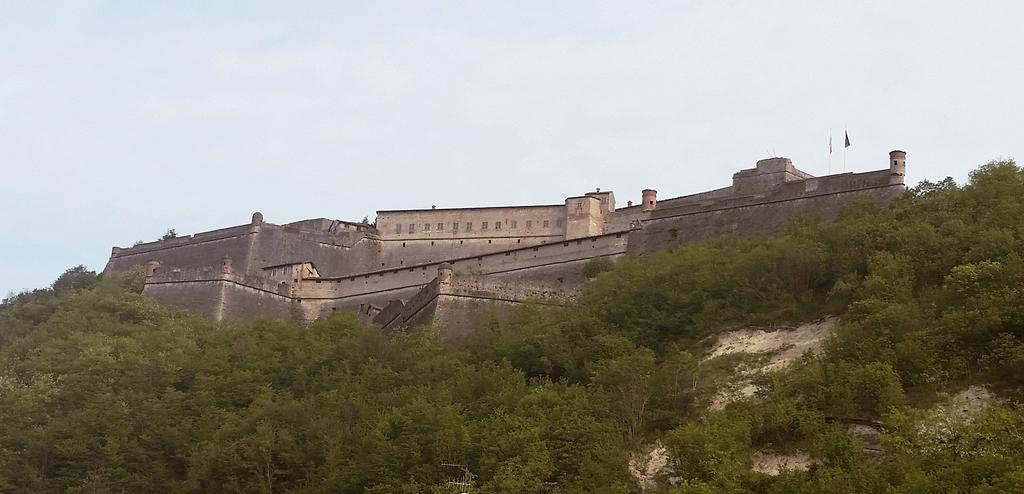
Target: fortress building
452, 265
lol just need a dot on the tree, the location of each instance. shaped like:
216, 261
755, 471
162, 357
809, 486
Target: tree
626, 383
76, 278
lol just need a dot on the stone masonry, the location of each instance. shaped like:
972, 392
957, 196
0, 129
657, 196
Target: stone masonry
412, 267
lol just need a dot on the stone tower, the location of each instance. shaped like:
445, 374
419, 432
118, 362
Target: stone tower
650, 197
897, 166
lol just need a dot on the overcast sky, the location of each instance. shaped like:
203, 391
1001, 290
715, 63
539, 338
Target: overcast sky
121, 119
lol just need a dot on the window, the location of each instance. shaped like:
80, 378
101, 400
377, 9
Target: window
558, 222
440, 227
514, 226
497, 225
483, 225
529, 223
412, 227
546, 224
579, 206
426, 227
398, 228
455, 226
469, 226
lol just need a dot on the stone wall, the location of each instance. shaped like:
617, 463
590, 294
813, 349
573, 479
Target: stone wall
203, 297
550, 270
671, 228
489, 222
202, 249
334, 254
584, 217
767, 174
222, 299
419, 309
461, 316
460, 303
395, 253
389, 274
253, 247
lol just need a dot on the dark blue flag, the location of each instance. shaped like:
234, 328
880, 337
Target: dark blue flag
847, 140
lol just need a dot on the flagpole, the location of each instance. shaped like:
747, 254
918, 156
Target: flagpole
846, 140
829, 171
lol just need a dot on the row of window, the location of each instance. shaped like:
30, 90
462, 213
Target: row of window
512, 225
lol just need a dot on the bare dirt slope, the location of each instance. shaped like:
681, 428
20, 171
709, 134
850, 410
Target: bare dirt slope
773, 348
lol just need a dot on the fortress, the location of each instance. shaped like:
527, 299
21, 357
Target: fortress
452, 265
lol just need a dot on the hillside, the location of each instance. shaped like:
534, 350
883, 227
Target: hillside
103, 390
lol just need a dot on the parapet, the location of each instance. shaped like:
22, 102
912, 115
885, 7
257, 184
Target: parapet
767, 173
774, 165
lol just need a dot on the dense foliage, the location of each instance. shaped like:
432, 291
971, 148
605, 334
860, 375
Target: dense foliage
102, 390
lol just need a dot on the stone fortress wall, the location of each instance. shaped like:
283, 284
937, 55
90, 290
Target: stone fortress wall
551, 270
337, 247
452, 265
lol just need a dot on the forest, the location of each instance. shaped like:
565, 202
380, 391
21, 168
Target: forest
103, 390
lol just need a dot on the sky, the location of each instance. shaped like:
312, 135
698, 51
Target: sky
122, 119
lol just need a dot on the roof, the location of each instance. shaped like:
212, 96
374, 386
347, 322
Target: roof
290, 264
470, 209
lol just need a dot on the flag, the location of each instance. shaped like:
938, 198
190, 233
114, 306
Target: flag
847, 140
829, 143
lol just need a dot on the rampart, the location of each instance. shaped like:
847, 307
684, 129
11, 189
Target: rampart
548, 270
257, 245
453, 265
222, 295
459, 302
823, 198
